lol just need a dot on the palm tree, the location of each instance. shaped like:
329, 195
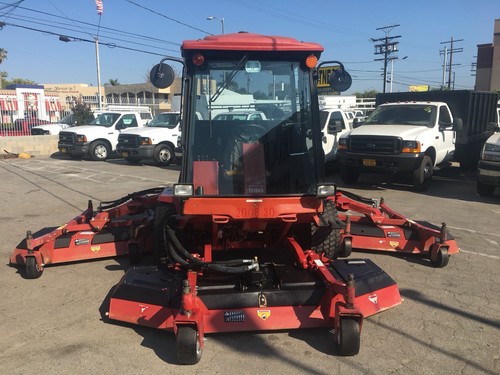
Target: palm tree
114, 82
3, 55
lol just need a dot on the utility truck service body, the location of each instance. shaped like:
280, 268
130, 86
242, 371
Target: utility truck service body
415, 131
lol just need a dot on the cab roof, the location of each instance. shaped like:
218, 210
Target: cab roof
244, 41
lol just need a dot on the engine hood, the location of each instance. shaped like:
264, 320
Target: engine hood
406, 132
152, 132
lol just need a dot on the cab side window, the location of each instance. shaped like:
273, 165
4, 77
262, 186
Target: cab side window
127, 121
444, 116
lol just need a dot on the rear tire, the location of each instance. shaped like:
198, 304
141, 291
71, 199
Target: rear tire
164, 155
485, 190
423, 175
99, 151
349, 175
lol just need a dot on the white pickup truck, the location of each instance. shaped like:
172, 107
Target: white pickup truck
67, 121
99, 139
335, 123
414, 132
156, 141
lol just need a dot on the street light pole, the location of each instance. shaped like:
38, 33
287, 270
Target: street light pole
98, 73
210, 18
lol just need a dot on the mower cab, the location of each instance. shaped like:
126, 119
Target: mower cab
246, 240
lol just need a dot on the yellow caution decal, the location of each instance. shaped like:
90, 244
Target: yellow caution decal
264, 314
95, 249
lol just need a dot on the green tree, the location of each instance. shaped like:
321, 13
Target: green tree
3, 55
83, 114
366, 94
112, 82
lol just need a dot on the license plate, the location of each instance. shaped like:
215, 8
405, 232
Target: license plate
369, 162
124, 154
64, 150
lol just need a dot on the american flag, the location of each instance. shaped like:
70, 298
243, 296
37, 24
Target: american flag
98, 4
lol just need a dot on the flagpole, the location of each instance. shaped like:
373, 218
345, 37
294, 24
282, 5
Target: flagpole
99, 7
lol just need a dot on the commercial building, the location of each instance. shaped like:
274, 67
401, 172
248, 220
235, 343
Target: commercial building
488, 63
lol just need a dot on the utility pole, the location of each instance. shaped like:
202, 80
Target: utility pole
387, 48
450, 51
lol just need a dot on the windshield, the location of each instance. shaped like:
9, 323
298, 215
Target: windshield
68, 119
407, 114
252, 130
105, 119
165, 120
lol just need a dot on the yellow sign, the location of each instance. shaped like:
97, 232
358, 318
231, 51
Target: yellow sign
419, 88
323, 75
95, 249
263, 314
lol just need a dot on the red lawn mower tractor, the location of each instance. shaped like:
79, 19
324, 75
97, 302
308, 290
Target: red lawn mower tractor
251, 235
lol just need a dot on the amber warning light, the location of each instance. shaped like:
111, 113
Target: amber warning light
311, 61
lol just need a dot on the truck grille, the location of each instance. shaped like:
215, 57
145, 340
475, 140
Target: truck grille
128, 140
375, 144
67, 137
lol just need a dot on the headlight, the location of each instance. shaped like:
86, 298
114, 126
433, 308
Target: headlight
411, 146
146, 141
184, 190
80, 138
491, 152
342, 144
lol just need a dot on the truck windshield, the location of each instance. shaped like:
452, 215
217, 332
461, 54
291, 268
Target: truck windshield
266, 147
105, 119
403, 114
165, 120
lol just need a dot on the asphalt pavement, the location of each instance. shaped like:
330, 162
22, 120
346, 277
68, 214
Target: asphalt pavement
449, 322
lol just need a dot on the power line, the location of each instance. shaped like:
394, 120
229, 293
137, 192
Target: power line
451, 51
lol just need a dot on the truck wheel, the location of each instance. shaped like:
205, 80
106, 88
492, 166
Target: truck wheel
326, 240
349, 175
164, 155
162, 213
423, 175
99, 151
485, 190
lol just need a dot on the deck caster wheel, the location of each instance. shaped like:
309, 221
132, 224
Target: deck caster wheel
33, 270
348, 337
134, 253
346, 248
188, 345
441, 258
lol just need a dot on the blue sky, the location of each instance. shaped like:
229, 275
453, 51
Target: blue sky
344, 28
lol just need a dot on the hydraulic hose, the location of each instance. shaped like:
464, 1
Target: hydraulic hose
106, 205
182, 256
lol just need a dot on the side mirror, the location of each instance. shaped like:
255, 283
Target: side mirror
335, 127
340, 80
162, 75
120, 126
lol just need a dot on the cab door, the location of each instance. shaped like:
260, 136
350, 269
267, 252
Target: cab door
125, 122
447, 135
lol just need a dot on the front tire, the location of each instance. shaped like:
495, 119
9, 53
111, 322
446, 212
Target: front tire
349, 175
423, 175
485, 190
99, 151
164, 155
326, 239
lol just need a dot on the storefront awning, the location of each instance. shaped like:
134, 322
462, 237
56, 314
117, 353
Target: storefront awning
52, 106
8, 104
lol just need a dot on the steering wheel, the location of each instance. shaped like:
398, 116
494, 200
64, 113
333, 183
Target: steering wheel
249, 133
